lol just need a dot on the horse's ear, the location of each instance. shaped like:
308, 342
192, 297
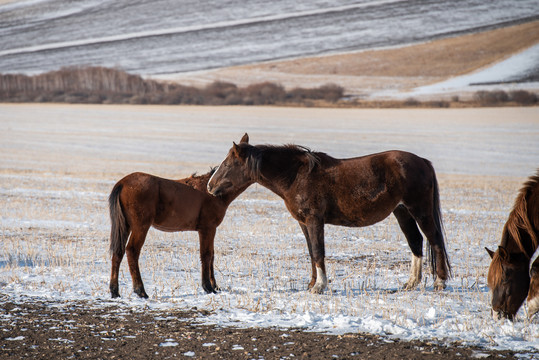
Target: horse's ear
490, 252
504, 255
235, 148
245, 139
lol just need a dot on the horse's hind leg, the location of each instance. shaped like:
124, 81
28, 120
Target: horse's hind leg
114, 288
415, 240
439, 262
138, 236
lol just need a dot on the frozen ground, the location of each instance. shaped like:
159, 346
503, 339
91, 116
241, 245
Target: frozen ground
59, 164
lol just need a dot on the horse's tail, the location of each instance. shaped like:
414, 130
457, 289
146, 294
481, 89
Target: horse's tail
438, 221
119, 231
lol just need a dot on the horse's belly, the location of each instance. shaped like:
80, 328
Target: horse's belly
175, 223
355, 221
166, 228
362, 214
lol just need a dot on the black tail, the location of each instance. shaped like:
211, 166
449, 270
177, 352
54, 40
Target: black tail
438, 221
119, 231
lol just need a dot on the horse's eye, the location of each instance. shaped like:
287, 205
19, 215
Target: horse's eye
507, 276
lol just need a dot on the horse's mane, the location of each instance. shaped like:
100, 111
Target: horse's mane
209, 173
289, 158
200, 180
519, 219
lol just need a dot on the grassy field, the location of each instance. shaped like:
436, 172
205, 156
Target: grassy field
61, 162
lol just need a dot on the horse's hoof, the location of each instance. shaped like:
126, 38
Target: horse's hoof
141, 293
209, 289
439, 285
317, 290
114, 291
408, 287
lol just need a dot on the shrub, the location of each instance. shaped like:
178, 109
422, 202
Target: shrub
523, 97
411, 102
331, 92
220, 90
491, 97
265, 93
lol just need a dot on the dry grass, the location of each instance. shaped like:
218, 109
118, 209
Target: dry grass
438, 59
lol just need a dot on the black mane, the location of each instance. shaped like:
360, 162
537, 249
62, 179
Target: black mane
284, 161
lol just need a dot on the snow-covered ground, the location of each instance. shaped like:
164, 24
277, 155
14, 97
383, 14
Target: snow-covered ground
491, 78
60, 163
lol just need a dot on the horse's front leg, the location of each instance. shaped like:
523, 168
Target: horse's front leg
206, 238
533, 292
313, 266
315, 229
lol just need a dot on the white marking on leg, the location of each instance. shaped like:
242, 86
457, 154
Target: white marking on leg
533, 306
321, 282
415, 273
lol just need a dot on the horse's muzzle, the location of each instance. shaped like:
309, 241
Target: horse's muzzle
500, 315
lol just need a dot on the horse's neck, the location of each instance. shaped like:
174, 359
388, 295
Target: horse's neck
234, 194
279, 174
274, 186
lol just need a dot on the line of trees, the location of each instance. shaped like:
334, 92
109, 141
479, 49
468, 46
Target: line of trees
100, 85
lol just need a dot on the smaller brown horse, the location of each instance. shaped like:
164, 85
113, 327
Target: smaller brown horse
140, 200
318, 189
509, 272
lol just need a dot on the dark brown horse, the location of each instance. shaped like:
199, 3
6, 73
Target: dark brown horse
318, 189
509, 275
139, 201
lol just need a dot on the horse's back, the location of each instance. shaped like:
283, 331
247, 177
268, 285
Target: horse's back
167, 204
366, 189
393, 168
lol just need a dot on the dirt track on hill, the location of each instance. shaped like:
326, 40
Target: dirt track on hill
81, 330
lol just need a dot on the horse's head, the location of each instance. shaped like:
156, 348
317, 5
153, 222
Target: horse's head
233, 174
509, 280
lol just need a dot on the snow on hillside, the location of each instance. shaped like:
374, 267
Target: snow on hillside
165, 36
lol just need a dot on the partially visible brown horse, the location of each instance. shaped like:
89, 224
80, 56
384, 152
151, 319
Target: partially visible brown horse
509, 275
139, 201
319, 189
